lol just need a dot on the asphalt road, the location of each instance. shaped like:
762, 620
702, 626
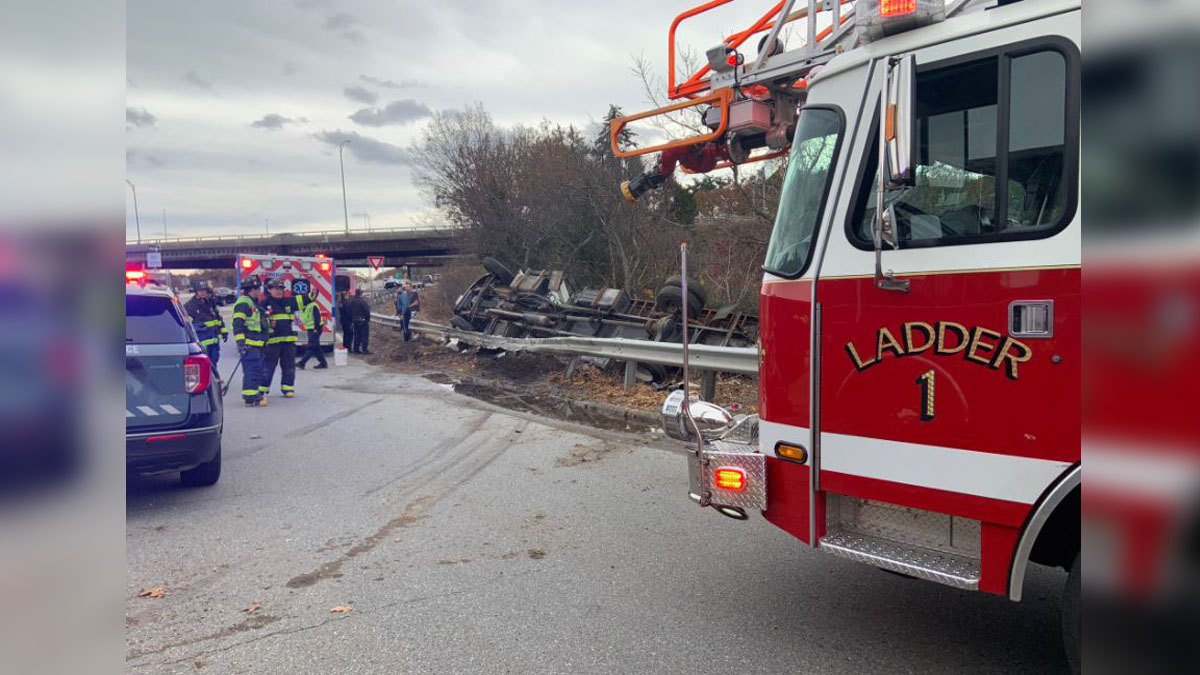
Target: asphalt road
471, 539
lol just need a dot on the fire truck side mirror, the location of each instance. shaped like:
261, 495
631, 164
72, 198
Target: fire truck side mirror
899, 120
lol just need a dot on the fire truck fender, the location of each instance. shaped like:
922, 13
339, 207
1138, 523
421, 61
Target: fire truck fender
1037, 520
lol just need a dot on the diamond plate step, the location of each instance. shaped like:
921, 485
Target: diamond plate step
922, 563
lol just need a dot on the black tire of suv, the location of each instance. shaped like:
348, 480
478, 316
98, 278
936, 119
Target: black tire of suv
497, 269
461, 323
204, 475
694, 287
670, 299
1070, 618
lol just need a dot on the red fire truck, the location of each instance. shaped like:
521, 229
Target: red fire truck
920, 304
299, 275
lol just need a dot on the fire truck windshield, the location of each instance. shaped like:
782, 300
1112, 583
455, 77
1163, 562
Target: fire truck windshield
814, 150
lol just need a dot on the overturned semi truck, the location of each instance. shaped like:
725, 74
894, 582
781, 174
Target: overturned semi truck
541, 303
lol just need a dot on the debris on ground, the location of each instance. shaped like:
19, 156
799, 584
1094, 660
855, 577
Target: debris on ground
152, 593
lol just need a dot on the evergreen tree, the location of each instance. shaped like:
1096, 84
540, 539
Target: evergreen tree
625, 139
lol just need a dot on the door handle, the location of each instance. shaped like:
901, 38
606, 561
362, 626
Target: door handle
1031, 318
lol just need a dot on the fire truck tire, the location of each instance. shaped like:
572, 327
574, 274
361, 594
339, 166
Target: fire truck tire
670, 299
460, 323
497, 269
694, 287
1070, 617
204, 475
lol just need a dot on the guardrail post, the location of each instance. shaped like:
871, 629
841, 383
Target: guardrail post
708, 385
630, 373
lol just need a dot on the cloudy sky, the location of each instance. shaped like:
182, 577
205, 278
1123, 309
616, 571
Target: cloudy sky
234, 109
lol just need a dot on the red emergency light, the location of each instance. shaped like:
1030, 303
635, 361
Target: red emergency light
730, 478
324, 267
897, 7
134, 276
247, 263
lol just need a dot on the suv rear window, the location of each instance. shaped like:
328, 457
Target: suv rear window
153, 320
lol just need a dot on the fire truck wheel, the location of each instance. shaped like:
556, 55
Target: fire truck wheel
460, 323
497, 269
694, 287
670, 299
1070, 617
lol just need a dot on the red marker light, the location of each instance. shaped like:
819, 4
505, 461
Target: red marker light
197, 373
897, 7
171, 437
324, 267
730, 478
247, 263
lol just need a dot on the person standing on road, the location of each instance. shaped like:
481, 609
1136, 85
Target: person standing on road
281, 342
346, 319
206, 319
361, 312
313, 321
405, 306
250, 335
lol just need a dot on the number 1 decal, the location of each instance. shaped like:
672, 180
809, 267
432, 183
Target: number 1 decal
926, 380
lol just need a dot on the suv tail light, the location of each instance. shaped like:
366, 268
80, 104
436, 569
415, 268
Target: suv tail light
197, 373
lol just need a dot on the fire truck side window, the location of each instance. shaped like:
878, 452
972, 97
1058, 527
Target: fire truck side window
814, 151
967, 189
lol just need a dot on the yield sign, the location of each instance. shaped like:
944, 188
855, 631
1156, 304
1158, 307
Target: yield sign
376, 261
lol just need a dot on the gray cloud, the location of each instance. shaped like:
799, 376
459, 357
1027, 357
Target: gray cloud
339, 21
289, 68
139, 117
389, 84
360, 95
365, 148
396, 112
199, 80
272, 121
135, 158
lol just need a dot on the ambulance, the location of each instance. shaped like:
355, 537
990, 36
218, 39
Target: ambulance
299, 275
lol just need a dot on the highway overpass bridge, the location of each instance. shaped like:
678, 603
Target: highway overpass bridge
421, 247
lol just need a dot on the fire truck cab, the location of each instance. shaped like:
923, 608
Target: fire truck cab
920, 326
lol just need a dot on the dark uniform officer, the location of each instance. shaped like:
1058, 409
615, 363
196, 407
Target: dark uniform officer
314, 322
210, 327
281, 340
250, 334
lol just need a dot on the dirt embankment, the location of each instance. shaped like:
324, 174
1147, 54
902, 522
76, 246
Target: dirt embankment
540, 374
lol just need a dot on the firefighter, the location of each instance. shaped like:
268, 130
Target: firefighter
281, 311
313, 320
250, 335
210, 327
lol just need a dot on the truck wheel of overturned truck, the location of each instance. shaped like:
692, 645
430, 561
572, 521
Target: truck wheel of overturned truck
670, 299
694, 287
1070, 618
651, 373
497, 269
460, 323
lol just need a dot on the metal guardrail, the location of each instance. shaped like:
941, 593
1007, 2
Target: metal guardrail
703, 357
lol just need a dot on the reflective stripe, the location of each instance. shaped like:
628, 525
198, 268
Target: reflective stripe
250, 392
254, 343
281, 317
210, 341
239, 315
287, 387
212, 322
281, 338
239, 336
264, 389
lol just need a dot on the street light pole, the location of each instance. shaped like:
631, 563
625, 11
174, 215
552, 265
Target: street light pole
342, 165
164, 223
136, 218
267, 225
